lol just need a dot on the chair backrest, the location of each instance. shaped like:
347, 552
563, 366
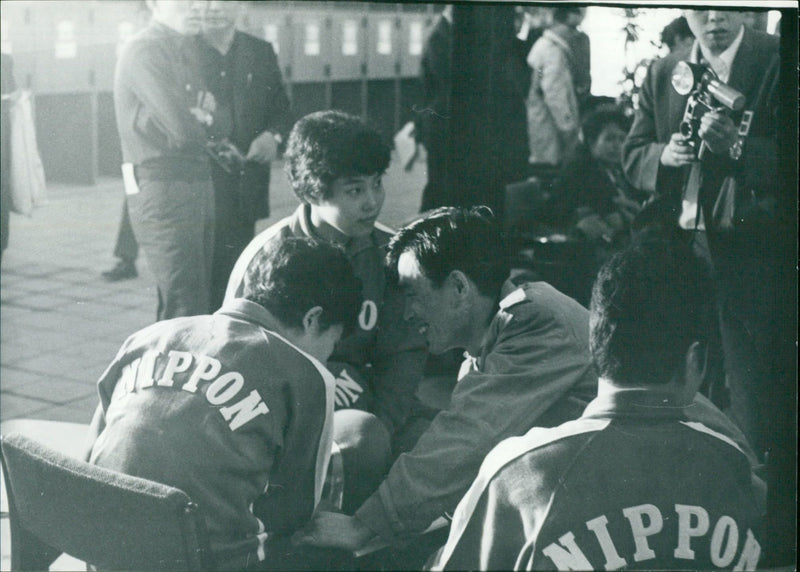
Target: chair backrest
108, 519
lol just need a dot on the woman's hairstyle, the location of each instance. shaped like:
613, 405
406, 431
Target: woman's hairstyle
328, 145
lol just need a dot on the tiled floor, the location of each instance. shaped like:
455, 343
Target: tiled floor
61, 324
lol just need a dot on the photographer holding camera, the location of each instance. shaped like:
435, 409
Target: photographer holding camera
712, 163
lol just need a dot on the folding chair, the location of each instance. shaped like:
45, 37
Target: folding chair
110, 520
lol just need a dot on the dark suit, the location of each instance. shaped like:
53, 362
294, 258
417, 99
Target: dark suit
248, 82
431, 121
743, 260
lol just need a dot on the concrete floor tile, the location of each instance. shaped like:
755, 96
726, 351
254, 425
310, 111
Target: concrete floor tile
45, 389
17, 406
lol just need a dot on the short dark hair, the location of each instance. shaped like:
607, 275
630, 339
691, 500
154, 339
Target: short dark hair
598, 119
327, 145
650, 302
289, 276
453, 238
672, 32
562, 13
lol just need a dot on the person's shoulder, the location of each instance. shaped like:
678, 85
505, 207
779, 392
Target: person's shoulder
537, 440
254, 42
668, 62
763, 38
382, 234
535, 297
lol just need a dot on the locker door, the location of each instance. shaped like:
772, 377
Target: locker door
382, 53
412, 41
310, 46
348, 45
64, 34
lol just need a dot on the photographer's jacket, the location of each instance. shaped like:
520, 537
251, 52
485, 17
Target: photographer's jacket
230, 412
661, 110
632, 484
378, 367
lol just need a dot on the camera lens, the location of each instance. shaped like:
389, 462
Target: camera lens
686, 129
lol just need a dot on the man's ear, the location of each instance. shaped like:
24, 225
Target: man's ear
459, 282
311, 320
695, 368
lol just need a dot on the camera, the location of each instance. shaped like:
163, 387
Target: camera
706, 93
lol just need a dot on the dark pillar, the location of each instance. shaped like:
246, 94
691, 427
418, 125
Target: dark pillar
488, 135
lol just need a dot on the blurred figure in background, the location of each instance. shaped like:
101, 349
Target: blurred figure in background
9, 86
161, 110
561, 80
126, 250
242, 72
599, 199
432, 120
677, 35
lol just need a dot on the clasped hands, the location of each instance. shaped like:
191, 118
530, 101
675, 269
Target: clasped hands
716, 130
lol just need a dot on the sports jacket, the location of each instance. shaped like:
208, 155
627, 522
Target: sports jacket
631, 484
534, 369
227, 410
378, 367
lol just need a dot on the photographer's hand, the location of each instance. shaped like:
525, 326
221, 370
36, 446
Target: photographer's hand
718, 132
677, 152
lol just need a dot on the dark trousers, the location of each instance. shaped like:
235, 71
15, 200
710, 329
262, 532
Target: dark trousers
234, 229
746, 288
126, 248
173, 221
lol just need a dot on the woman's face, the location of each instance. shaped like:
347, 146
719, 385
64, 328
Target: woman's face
607, 148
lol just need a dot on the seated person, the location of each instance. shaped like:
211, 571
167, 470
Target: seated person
236, 408
528, 365
335, 164
601, 201
633, 483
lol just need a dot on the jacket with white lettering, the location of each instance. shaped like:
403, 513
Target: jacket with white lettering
230, 412
378, 367
631, 484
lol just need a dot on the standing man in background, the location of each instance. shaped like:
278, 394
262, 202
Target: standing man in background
432, 121
561, 80
161, 109
243, 74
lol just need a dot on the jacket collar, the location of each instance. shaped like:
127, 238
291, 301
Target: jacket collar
643, 403
250, 312
352, 246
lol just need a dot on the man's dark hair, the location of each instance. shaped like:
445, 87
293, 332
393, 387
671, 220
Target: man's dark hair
674, 31
650, 302
562, 13
289, 276
327, 145
600, 118
451, 238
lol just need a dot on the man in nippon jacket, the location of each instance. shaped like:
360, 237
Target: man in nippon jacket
236, 408
633, 483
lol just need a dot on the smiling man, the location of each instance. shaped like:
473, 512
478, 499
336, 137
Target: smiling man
528, 365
